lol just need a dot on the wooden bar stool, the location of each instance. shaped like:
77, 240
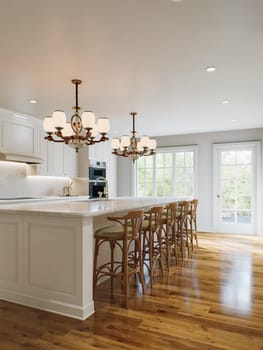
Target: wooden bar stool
182, 229
192, 221
169, 229
152, 240
127, 236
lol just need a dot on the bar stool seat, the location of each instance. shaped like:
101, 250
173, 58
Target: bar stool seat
115, 232
126, 235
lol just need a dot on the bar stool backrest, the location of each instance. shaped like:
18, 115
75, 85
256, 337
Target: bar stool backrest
194, 205
183, 208
155, 218
171, 210
133, 223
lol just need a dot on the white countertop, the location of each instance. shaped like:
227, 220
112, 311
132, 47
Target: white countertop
82, 206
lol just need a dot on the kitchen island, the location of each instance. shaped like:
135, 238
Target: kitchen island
46, 250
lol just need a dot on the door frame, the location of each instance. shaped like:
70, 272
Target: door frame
258, 188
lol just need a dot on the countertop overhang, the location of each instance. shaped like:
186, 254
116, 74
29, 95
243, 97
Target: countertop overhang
82, 205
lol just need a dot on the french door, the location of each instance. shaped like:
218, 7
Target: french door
235, 187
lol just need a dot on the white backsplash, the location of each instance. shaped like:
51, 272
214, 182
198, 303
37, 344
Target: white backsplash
16, 180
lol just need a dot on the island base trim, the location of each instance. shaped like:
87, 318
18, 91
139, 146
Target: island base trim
57, 307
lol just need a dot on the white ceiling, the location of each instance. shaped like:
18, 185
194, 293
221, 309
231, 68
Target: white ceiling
147, 56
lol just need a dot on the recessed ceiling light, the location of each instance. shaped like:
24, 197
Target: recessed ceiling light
234, 120
32, 101
225, 102
177, 0
210, 68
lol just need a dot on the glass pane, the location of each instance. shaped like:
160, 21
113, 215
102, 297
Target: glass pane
244, 202
149, 162
228, 157
244, 157
244, 173
159, 160
160, 189
189, 159
244, 188
179, 159
244, 217
140, 190
149, 189
179, 174
168, 188
228, 172
141, 175
228, 217
168, 172
159, 175
168, 159
188, 189
188, 174
140, 162
228, 202
228, 189
179, 189
148, 175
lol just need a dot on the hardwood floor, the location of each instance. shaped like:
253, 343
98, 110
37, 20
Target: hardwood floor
213, 300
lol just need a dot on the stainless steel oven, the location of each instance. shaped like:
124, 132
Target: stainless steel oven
97, 177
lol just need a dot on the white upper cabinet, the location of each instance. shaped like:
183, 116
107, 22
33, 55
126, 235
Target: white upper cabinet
70, 161
19, 133
58, 158
24, 135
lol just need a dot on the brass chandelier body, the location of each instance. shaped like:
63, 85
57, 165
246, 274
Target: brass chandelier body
132, 147
82, 129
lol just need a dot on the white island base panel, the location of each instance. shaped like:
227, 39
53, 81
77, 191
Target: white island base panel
46, 263
46, 252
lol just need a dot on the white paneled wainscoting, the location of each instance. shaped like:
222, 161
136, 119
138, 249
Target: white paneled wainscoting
45, 263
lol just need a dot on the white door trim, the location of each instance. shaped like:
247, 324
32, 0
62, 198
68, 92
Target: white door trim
258, 192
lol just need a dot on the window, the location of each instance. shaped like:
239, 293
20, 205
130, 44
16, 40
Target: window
171, 173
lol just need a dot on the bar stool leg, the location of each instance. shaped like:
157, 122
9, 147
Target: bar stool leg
96, 250
112, 247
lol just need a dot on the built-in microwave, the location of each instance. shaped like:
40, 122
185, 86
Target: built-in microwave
96, 170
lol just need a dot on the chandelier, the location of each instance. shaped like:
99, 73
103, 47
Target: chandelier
81, 130
131, 147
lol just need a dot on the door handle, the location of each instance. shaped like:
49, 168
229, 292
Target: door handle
218, 196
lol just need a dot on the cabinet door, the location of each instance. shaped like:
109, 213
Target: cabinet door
55, 164
18, 137
96, 152
70, 161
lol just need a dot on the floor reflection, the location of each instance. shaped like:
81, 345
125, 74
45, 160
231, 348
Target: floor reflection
236, 285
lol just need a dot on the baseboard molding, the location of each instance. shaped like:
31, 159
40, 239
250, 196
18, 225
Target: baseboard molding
205, 229
70, 310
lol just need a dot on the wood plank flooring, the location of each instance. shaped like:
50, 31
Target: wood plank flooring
213, 300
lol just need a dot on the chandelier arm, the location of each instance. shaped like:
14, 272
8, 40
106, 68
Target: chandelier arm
102, 139
50, 138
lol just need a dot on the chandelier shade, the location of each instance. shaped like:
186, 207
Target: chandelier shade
131, 147
81, 130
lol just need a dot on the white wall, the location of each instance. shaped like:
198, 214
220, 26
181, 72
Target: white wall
204, 141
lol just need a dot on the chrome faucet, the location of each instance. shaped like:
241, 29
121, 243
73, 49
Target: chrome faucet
67, 189
106, 189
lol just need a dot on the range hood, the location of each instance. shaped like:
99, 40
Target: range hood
21, 158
